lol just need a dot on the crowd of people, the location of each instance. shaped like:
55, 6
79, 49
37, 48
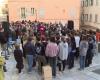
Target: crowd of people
50, 43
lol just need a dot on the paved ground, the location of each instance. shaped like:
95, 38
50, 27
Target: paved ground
97, 71
73, 74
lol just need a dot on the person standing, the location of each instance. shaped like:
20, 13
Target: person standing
72, 51
18, 55
63, 53
90, 54
40, 50
52, 52
77, 41
83, 51
30, 52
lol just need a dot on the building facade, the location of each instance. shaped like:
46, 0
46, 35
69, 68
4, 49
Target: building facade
3, 10
45, 10
90, 14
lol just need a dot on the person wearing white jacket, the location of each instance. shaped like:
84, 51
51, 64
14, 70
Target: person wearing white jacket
63, 53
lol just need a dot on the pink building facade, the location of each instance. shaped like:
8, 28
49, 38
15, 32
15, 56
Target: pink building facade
45, 10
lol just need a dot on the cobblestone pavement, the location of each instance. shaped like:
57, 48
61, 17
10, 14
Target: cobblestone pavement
73, 74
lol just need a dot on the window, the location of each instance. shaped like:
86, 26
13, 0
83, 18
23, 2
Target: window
86, 3
96, 18
91, 2
83, 3
90, 18
23, 13
86, 17
97, 2
81, 17
6, 5
32, 11
4, 11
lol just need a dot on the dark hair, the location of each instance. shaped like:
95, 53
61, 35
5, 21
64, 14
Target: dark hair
17, 46
38, 38
57, 37
30, 39
43, 39
52, 39
84, 37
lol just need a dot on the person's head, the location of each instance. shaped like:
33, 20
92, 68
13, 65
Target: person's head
43, 39
29, 39
38, 40
63, 38
84, 37
57, 37
17, 46
76, 33
89, 38
52, 39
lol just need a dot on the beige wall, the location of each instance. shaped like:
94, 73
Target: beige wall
95, 9
46, 10
3, 17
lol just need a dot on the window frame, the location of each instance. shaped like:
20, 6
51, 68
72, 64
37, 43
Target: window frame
23, 12
32, 11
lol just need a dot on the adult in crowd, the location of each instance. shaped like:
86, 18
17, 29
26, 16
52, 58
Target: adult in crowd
30, 51
77, 41
83, 51
40, 50
18, 55
48, 51
3, 41
63, 53
52, 52
72, 51
90, 54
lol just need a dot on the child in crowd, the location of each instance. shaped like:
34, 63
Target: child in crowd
18, 55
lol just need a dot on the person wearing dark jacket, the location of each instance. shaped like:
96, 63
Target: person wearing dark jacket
30, 52
18, 55
40, 50
89, 55
72, 52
